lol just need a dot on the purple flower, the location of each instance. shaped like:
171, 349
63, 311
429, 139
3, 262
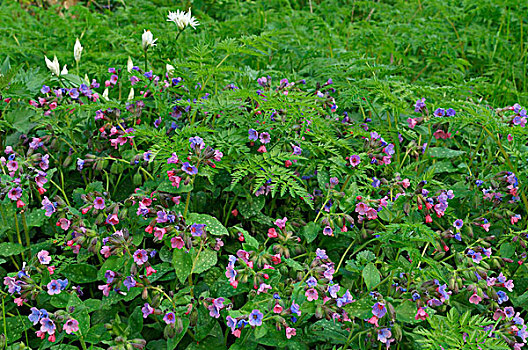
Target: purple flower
74, 93
509, 311
379, 310
45, 89
333, 289
321, 254
420, 105
458, 224
109, 275
253, 134
450, 112
375, 182
297, 150
189, 169
265, 137
147, 310
129, 282
140, 256
345, 299
384, 335
255, 318
48, 206
113, 79
54, 287
262, 81
295, 309
311, 282
502, 297
327, 231
231, 323
35, 315
440, 112
197, 229
63, 283
197, 141
47, 325
173, 159
169, 318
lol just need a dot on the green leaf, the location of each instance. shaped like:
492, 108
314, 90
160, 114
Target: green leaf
310, 231
406, 311
206, 260
214, 227
250, 240
182, 263
443, 152
135, 322
80, 273
20, 119
507, 250
8, 249
371, 275
16, 327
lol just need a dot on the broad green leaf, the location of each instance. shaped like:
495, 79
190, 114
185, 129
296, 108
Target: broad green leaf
371, 276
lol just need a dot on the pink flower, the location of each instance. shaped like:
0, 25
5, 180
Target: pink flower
99, 203
281, 223
412, 122
19, 301
140, 256
277, 309
150, 270
64, 223
311, 294
105, 288
177, 242
290, 332
421, 314
361, 208
510, 137
262, 149
406, 183
475, 299
263, 288
106, 251
43, 257
272, 233
72, 325
159, 232
112, 219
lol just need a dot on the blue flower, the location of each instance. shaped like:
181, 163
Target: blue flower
255, 318
375, 182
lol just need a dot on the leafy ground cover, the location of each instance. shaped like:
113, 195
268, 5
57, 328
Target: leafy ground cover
282, 174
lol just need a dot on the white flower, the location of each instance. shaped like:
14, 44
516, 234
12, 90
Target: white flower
131, 95
53, 66
170, 69
77, 50
105, 94
130, 65
64, 70
148, 39
182, 19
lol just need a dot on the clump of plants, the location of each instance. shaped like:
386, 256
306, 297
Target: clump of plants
161, 207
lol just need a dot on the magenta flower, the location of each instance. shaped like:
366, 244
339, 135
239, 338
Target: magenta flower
99, 203
72, 325
290, 332
15, 193
12, 165
265, 137
475, 299
177, 242
354, 160
140, 256
281, 223
173, 159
